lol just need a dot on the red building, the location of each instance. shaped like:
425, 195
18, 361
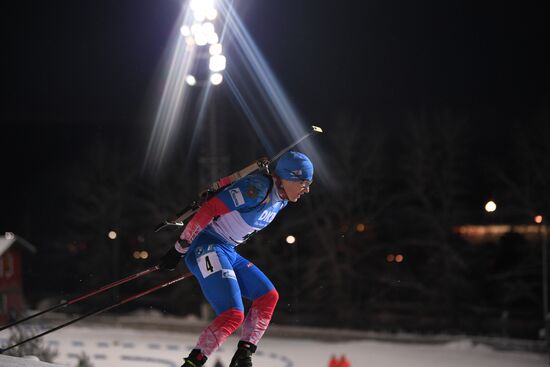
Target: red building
12, 249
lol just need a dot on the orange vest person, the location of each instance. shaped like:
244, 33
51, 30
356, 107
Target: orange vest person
344, 362
333, 362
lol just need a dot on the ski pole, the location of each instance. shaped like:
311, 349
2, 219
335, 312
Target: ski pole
96, 312
85, 296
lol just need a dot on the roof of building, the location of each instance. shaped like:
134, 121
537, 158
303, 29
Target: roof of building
8, 239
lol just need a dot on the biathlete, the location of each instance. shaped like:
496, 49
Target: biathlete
208, 245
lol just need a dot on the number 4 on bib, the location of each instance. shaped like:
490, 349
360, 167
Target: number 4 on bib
209, 264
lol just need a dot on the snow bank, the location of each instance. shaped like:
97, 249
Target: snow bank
121, 347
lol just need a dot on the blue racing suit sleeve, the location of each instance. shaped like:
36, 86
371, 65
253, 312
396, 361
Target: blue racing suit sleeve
246, 193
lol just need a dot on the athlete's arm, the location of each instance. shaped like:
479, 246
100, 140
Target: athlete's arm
208, 211
243, 194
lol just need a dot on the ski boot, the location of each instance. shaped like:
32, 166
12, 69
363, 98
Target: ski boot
195, 359
243, 355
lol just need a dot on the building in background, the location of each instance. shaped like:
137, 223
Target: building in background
12, 250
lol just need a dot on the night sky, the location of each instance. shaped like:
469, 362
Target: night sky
78, 71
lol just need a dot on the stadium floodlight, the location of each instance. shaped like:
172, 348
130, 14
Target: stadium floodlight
201, 5
201, 40
213, 38
216, 78
191, 80
204, 33
211, 14
196, 28
208, 28
185, 31
199, 15
215, 49
217, 63
203, 9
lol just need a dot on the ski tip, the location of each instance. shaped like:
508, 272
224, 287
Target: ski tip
316, 129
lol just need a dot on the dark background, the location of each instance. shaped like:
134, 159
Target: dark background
429, 109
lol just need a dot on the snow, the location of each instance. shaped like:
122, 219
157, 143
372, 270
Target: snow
7, 361
123, 347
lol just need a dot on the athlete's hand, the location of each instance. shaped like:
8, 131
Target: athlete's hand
170, 260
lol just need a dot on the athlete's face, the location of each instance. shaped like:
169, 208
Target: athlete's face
295, 189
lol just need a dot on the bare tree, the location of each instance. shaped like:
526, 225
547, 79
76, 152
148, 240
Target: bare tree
327, 264
433, 174
526, 179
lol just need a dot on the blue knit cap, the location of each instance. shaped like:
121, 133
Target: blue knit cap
294, 166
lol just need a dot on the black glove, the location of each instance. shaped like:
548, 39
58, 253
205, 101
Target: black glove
243, 355
170, 260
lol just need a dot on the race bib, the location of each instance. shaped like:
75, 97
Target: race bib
209, 264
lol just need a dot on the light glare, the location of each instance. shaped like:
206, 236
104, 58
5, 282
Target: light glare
190, 41
213, 38
211, 14
185, 31
201, 5
201, 39
290, 239
112, 235
491, 206
215, 49
196, 29
216, 79
217, 63
190, 80
208, 28
199, 15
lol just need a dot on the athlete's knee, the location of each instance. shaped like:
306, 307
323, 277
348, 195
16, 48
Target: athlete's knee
268, 301
232, 318
273, 296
